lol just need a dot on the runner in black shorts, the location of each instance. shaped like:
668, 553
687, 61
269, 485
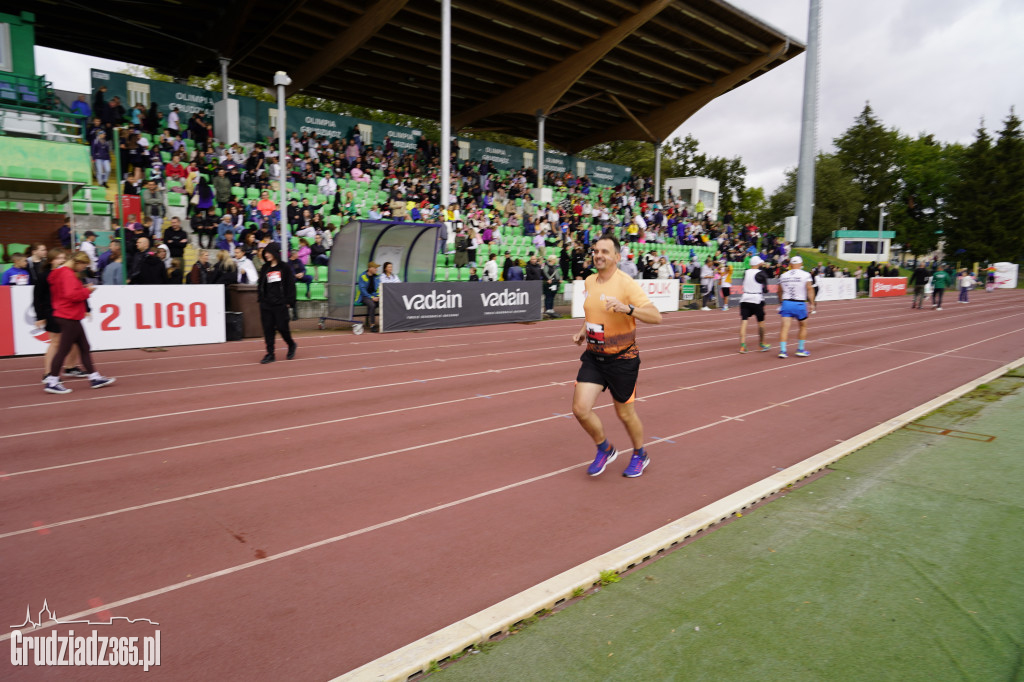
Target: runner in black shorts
618, 375
612, 303
755, 283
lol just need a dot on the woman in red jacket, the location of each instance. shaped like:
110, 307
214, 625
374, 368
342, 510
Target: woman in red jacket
68, 296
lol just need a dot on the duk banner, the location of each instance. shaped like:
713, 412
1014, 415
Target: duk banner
441, 305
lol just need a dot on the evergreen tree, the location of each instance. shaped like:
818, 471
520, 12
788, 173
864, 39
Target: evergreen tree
969, 229
867, 153
1007, 196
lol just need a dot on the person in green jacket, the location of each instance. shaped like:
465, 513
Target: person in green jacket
940, 280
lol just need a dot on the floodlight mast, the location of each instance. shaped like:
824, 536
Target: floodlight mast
808, 128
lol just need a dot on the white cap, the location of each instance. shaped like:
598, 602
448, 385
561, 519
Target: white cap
796, 260
755, 261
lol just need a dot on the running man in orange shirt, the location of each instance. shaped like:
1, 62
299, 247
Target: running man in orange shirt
612, 304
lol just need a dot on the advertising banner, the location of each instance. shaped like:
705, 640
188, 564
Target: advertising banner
888, 286
664, 294
441, 305
130, 317
836, 288
1006, 275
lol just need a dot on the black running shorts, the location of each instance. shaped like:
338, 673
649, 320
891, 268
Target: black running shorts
748, 310
618, 375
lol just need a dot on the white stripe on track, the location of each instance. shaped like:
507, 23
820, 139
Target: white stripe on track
441, 507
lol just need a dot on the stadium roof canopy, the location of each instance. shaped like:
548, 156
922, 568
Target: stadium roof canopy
601, 69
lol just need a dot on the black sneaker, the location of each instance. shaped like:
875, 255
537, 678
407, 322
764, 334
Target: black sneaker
267, 359
76, 372
291, 351
101, 382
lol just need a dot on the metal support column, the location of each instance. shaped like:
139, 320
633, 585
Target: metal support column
657, 172
540, 149
446, 104
224, 61
281, 80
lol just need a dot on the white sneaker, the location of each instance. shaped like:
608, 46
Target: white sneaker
705, 308
725, 308
939, 308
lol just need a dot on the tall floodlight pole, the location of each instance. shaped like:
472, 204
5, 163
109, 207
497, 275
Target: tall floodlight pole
281, 80
446, 105
808, 127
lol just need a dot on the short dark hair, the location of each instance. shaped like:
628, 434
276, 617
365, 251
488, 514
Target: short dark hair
610, 237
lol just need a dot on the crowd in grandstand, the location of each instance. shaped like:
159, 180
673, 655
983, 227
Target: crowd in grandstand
231, 194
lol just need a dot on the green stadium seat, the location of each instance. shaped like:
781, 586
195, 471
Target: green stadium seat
464, 274
16, 248
176, 199
83, 177
27, 207
101, 208
321, 273
80, 207
318, 291
238, 192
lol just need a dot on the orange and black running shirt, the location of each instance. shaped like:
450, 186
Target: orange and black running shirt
612, 333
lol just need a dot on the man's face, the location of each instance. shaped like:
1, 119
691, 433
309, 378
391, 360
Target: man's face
142, 243
239, 253
605, 255
175, 223
372, 271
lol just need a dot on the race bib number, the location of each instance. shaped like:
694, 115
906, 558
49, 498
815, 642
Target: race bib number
595, 334
273, 276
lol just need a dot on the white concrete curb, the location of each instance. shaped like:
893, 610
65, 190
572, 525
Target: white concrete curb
417, 656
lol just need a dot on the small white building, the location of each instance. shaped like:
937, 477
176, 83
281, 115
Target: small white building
861, 246
694, 189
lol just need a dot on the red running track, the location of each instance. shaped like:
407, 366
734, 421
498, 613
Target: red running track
296, 520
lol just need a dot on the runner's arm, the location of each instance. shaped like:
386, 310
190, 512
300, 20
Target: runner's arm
810, 296
580, 336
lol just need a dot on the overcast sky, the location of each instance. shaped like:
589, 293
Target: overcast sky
935, 66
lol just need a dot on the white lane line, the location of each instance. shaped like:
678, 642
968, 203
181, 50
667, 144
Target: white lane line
414, 515
691, 322
648, 368
114, 396
723, 420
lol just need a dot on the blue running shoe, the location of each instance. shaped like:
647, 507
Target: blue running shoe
101, 382
783, 354
602, 460
803, 353
765, 347
636, 465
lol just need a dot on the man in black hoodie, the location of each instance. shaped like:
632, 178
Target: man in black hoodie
275, 293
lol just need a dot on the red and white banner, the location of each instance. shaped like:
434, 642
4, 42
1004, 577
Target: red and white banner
122, 317
664, 294
888, 286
